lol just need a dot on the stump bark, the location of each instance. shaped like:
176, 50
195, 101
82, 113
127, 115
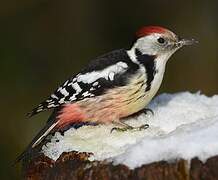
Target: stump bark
76, 166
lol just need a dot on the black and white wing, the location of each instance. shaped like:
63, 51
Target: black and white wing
106, 72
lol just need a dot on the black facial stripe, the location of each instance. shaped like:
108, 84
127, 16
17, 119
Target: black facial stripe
137, 52
148, 62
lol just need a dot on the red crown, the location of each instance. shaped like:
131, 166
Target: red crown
147, 30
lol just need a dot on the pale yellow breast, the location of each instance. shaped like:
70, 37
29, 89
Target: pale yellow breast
118, 102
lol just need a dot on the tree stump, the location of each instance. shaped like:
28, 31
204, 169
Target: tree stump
74, 165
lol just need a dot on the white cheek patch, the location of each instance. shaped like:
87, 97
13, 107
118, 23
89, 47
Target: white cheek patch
148, 44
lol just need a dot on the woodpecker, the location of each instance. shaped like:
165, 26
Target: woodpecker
112, 86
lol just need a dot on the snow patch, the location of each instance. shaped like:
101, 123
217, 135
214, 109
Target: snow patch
185, 125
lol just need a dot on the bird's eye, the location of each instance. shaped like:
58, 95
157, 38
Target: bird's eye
161, 40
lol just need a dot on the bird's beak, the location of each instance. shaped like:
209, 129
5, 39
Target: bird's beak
186, 42
183, 42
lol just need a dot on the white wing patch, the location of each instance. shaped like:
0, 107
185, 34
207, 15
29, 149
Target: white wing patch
54, 96
76, 86
95, 83
64, 92
91, 77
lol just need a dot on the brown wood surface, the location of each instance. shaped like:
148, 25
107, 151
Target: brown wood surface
76, 166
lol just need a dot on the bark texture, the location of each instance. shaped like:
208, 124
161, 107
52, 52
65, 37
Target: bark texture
76, 166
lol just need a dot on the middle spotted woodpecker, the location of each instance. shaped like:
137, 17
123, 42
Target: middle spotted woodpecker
113, 86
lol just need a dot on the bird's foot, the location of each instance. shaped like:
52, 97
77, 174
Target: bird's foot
144, 126
148, 111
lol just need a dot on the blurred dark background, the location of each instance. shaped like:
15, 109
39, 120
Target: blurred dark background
43, 42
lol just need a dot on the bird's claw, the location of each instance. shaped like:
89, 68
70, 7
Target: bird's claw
145, 126
119, 129
147, 110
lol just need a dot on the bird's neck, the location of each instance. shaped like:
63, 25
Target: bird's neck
154, 66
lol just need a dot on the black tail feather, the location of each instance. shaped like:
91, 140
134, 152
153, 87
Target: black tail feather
20, 157
39, 137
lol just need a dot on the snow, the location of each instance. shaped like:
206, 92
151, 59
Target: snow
184, 125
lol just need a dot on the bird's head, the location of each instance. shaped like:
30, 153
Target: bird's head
158, 41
